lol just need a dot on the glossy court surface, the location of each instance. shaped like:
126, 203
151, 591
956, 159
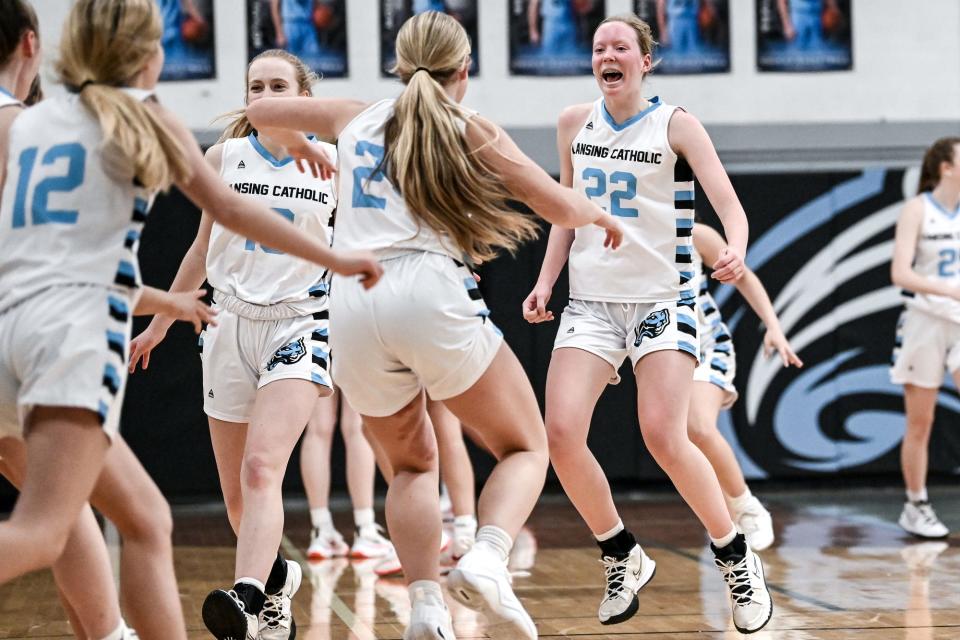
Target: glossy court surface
841, 568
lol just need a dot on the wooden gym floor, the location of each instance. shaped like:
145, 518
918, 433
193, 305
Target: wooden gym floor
841, 568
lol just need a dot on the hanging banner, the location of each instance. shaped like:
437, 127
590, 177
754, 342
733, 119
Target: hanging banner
804, 35
313, 30
393, 13
694, 35
188, 43
553, 37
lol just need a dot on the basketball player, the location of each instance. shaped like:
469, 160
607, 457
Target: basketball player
636, 157
926, 264
429, 329
713, 388
81, 172
266, 361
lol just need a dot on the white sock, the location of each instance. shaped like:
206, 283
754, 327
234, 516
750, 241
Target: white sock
116, 634
917, 496
465, 523
252, 582
607, 535
363, 517
494, 539
738, 503
424, 589
320, 518
720, 543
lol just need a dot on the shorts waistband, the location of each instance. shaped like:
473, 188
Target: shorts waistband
277, 311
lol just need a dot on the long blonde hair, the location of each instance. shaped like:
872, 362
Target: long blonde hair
445, 185
240, 126
105, 43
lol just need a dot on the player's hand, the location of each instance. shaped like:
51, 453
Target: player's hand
729, 267
190, 307
775, 341
307, 154
535, 306
362, 263
613, 228
144, 344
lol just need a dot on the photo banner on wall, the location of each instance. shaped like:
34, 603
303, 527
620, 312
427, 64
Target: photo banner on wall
393, 13
188, 42
553, 37
694, 35
804, 35
313, 30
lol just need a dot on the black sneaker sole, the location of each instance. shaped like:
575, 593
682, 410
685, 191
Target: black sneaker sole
634, 606
223, 617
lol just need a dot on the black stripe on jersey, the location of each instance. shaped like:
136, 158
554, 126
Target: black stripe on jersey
320, 361
108, 383
322, 315
685, 328
723, 337
684, 279
318, 293
684, 232
124, 280
118, 315
718, 367
117, 349
908, 294
475, 294
682, 171
684, 258
683, 204
690, 304
317, 336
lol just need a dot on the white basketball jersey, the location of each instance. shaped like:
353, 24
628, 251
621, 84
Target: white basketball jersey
630, 170
938, 258
260, 275
373, 214
712, 328
64, 219
7, 99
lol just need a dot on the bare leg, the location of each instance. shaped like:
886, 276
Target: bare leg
501, 405
383, 462
126, 494
361, 463
575, 381
229, 439
705, 405
920, 403
279, 417
456, 470
315, 452
66, 449
664, 385
82, 572
413, 499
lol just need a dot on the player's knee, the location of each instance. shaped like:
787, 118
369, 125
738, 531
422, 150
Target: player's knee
700, 429
564, 434
662, 443
260, 472
151, 523
919, 425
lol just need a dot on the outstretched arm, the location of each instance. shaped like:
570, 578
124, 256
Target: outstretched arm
710, 245
689, 140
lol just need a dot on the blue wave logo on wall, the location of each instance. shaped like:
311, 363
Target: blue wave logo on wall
826, 266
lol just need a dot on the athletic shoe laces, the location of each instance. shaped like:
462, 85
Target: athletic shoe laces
616, 573
927, 513
273, 611
737, 577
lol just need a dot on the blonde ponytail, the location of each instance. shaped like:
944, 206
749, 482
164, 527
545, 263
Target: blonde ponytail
444, 184
105, 44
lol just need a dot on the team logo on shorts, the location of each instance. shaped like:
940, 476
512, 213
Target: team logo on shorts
652, 326
288, 354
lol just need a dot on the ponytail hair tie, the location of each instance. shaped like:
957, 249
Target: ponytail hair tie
422, 69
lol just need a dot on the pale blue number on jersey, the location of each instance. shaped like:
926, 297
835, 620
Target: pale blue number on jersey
599, 188
251, 245
947, 267
76, 157
364, 175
